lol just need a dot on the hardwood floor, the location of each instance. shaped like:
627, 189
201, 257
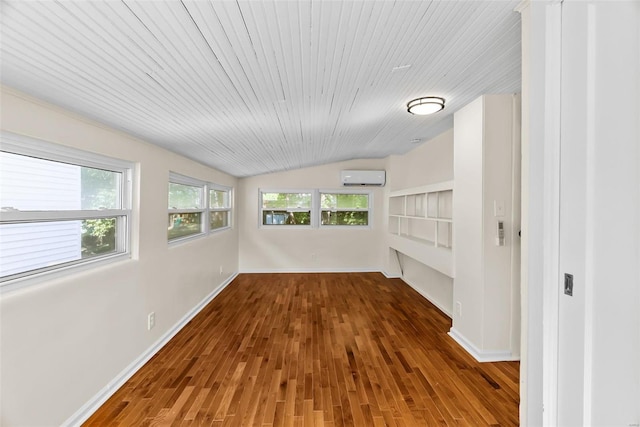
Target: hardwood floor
331, 350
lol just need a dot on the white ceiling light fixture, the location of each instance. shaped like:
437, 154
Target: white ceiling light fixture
425, 106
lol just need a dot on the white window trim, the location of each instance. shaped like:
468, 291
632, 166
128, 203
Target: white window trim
176, 178
316, 208
346, 191
205, 209
29, 146
229, 209
312, 210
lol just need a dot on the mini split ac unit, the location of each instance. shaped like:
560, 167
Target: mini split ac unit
353, 177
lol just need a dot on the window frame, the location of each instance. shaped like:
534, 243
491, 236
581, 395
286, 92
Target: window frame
316, 208
311, 210
205, 209
369, 209
37, 148
228, 209
176, 178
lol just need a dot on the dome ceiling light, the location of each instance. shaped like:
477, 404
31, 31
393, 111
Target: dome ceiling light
425, 106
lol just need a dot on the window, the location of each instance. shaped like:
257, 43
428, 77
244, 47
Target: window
344, 209
196, 208
285, 208
315, 208
219, 207
59, 207
186, 207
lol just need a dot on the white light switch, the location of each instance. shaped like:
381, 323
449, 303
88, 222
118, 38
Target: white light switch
498, 208
151, 320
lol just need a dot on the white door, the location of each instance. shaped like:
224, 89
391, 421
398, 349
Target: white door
573, 205
598, 368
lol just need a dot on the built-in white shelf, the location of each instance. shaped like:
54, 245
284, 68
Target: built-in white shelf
423, 218
421, 224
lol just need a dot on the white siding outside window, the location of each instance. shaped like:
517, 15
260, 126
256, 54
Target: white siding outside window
34, 184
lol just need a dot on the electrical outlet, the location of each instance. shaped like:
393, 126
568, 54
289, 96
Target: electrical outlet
151, 320
314, 257
459, 308
221, 270
568, 284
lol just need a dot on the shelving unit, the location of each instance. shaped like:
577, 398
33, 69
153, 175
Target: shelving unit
420, 224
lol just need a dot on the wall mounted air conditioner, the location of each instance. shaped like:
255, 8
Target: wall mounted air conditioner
353, 177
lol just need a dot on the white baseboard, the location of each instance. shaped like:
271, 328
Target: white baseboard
310, 270
479, 355
82, 414
429, 298
392, 275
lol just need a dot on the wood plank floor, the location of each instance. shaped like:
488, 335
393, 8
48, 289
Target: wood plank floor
330, 350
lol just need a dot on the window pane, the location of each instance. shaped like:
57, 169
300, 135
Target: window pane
184, 224
100, 189
219, 219
98, 236
29, 183
32, 246
184, 196
344, 201
283, 217
218, 199
345, 218
286, 200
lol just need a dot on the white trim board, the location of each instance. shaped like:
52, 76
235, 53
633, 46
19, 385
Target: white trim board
82, 414
391, 275
310, 270
439, 186
549, 213
479, 355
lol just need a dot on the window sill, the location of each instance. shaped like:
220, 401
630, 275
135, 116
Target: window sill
62, 272
186, 239
285, 227
219, 230
345, 227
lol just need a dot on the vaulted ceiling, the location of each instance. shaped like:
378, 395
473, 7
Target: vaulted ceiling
250, 87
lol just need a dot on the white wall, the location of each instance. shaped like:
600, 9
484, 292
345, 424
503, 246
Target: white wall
429, 163
430, 283
501, 183
486, 289
467, 220
65, 339
614, 322
270, 249
533, 90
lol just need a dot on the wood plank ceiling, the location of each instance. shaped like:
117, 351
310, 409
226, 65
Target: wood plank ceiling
250, 87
